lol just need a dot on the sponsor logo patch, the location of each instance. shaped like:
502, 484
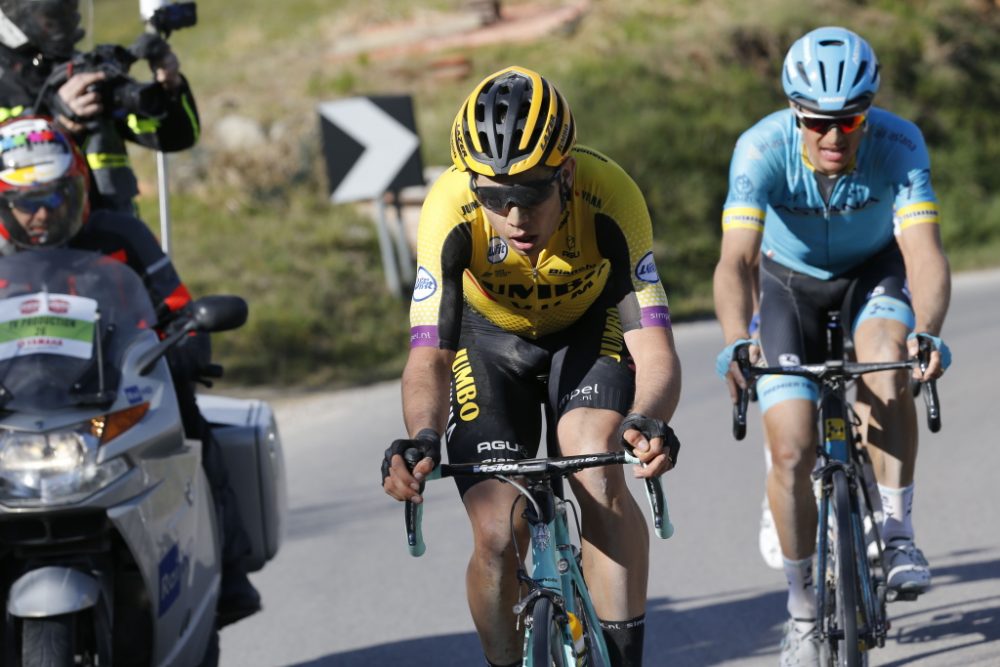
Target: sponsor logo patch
424, 286
788, 360
645, 270
497, 252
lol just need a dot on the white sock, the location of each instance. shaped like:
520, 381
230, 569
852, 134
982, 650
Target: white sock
801, 596
897, 506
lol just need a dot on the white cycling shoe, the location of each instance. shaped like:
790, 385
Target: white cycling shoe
906, 568
767, 538
800, 645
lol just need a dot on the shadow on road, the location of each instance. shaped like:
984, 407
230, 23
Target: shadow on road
737, 625
973, 622
677, 635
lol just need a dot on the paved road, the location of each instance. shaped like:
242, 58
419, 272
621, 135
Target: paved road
344, 592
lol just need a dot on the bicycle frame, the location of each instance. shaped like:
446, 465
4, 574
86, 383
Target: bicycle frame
556, 573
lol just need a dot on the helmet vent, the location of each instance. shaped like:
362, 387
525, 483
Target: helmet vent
802, 72
840, 75
484, 141
822, 76
518, 134
862, 70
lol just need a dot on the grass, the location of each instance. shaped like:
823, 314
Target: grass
664, 88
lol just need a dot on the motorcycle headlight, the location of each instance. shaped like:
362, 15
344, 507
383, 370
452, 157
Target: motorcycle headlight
54, 468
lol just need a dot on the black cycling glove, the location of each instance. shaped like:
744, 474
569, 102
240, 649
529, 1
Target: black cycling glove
426, 443
650, 428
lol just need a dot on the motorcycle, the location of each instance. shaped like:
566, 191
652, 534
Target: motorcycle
109, 539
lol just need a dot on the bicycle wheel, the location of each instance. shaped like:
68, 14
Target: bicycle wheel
847, 651
546, 648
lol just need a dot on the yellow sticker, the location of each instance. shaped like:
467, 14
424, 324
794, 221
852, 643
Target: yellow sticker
835, 429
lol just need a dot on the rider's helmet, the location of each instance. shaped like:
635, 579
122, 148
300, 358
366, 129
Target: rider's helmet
831, 71
514, 120
49, 27
40, 168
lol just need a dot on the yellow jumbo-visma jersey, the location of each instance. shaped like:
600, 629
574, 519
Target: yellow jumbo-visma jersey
605, 235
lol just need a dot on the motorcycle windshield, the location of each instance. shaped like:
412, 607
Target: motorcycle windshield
66, 319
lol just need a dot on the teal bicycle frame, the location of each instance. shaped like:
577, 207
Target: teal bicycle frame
556, 575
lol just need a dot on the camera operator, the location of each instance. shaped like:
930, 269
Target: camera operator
37, 39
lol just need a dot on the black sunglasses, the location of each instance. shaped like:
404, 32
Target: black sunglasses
499, 198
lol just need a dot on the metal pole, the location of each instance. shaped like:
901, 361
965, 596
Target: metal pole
385, 245
402, 245
161, 183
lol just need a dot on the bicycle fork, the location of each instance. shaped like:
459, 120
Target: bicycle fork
872, 623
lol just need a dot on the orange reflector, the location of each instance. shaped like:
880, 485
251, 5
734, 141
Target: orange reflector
117, 423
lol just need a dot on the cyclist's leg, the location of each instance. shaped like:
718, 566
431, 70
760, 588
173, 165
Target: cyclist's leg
791, 312
882, 318
495, 416
591, 388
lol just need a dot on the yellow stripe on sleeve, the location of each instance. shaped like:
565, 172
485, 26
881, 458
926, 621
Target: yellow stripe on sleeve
743, 217
917, 214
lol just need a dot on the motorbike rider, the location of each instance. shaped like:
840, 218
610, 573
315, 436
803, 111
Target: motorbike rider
44, 203
38, 36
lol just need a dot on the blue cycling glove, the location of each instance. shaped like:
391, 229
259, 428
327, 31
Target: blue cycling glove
726, 356
938, 344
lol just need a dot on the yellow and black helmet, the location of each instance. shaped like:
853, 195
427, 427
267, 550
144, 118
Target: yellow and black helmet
513, 120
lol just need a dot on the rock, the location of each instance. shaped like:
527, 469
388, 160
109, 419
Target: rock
239, 133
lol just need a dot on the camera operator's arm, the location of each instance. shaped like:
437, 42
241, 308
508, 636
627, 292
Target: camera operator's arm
179, 128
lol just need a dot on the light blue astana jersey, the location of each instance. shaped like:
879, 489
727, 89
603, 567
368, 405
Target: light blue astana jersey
772, 188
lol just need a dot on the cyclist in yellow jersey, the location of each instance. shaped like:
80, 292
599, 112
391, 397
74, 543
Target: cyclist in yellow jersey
536, 290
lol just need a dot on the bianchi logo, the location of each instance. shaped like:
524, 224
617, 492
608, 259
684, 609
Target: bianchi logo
540, 537
645, 270
497, 251
424, 286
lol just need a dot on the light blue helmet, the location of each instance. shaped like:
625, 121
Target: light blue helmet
831, 71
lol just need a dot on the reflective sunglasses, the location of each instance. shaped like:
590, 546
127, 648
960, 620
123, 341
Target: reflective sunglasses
31, 203
822, 124
499, 198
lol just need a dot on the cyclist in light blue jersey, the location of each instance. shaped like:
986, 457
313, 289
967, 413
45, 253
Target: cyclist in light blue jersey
833, 197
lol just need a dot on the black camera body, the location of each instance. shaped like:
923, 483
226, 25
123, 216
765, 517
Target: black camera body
121, 95
174, 16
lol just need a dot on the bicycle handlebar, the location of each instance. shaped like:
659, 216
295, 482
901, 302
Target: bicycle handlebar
536, 469
837, 369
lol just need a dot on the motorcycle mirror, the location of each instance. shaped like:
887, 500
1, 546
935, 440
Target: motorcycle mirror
219, 313
209, 313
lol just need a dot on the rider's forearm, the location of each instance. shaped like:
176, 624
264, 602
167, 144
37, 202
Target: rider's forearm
732, 288
657, 373
930, 286
425, 388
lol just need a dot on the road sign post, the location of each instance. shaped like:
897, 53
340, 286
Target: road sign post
371, 147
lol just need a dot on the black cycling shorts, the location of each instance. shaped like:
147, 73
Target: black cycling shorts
502, 383
794, 307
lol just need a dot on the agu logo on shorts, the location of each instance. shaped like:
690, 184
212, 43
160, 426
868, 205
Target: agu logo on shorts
645, 270
497, 252
424, 286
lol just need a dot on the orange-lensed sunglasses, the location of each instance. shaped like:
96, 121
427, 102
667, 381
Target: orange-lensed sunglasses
822, 124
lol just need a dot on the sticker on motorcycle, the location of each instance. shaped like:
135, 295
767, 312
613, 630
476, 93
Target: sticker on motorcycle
171, 571
45, 323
